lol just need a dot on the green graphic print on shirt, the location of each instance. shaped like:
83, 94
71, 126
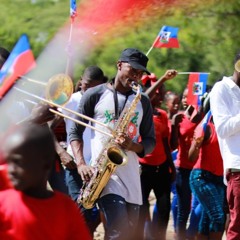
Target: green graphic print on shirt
132, 126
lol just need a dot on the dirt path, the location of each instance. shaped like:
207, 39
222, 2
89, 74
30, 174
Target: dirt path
99, 234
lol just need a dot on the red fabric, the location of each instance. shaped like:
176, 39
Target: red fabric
197, 83
4, 181
27, 218
173, 43
158, 156
233, 196
210, 158
60, 132
186, 130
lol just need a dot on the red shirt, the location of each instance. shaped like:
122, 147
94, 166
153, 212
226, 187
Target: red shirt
210, 158
158, 156
186, 130
26, 218
4, 181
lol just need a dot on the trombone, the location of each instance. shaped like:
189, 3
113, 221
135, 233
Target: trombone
58, 92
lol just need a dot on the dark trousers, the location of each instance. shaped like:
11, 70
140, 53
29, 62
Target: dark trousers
209, 190
121, 217
184, 196
158, 179
74, 184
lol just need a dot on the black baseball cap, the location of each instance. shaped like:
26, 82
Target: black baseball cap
135, 58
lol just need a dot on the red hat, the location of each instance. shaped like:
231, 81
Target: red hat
145, 78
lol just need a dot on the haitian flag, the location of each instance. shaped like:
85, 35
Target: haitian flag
167, 38
197, 84
73, 9
19, 62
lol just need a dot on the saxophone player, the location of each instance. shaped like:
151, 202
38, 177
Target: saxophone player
121, 197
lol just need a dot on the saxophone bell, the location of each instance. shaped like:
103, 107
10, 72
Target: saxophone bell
117, 156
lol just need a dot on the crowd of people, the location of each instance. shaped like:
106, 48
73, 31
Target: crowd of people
186, 155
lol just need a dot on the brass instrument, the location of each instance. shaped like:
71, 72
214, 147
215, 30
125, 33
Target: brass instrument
237, 66
110, 157
58, 91
59, 88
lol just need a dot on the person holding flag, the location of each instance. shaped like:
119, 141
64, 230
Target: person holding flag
206, 178
183, 125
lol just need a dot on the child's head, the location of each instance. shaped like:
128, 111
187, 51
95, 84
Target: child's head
172, 102
29, 151
92, 77
158, 97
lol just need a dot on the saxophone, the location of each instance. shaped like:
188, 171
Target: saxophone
109, 158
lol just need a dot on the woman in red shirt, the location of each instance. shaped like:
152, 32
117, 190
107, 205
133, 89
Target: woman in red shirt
206, 180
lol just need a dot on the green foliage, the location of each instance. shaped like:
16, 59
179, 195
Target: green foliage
39, 19
207, 34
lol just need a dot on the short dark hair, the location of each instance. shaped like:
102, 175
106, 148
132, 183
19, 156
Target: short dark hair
36, 138
93, 73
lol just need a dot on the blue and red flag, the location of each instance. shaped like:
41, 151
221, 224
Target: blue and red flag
167, 38
73, 9
197, 84
19, 62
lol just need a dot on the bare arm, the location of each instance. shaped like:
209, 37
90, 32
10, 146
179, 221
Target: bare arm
169, 74
84, 170
126, 143
169, 158
66, 159
177, 118
197, 144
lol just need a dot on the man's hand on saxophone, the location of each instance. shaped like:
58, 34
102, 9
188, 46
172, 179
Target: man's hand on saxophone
85, 171
124, 141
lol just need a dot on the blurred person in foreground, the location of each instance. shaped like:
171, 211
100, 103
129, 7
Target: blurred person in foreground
29, 210
206, 178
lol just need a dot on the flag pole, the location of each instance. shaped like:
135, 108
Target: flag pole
73, 14
181, 73
149, 50
69, 50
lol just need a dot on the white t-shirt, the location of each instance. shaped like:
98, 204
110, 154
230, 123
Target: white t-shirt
225, 107
98, 103
73, 104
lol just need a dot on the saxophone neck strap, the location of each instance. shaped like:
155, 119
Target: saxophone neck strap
116, 105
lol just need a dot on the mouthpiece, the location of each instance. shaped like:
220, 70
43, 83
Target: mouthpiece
136, 87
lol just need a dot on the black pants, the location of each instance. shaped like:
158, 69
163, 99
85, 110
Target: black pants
158, 179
